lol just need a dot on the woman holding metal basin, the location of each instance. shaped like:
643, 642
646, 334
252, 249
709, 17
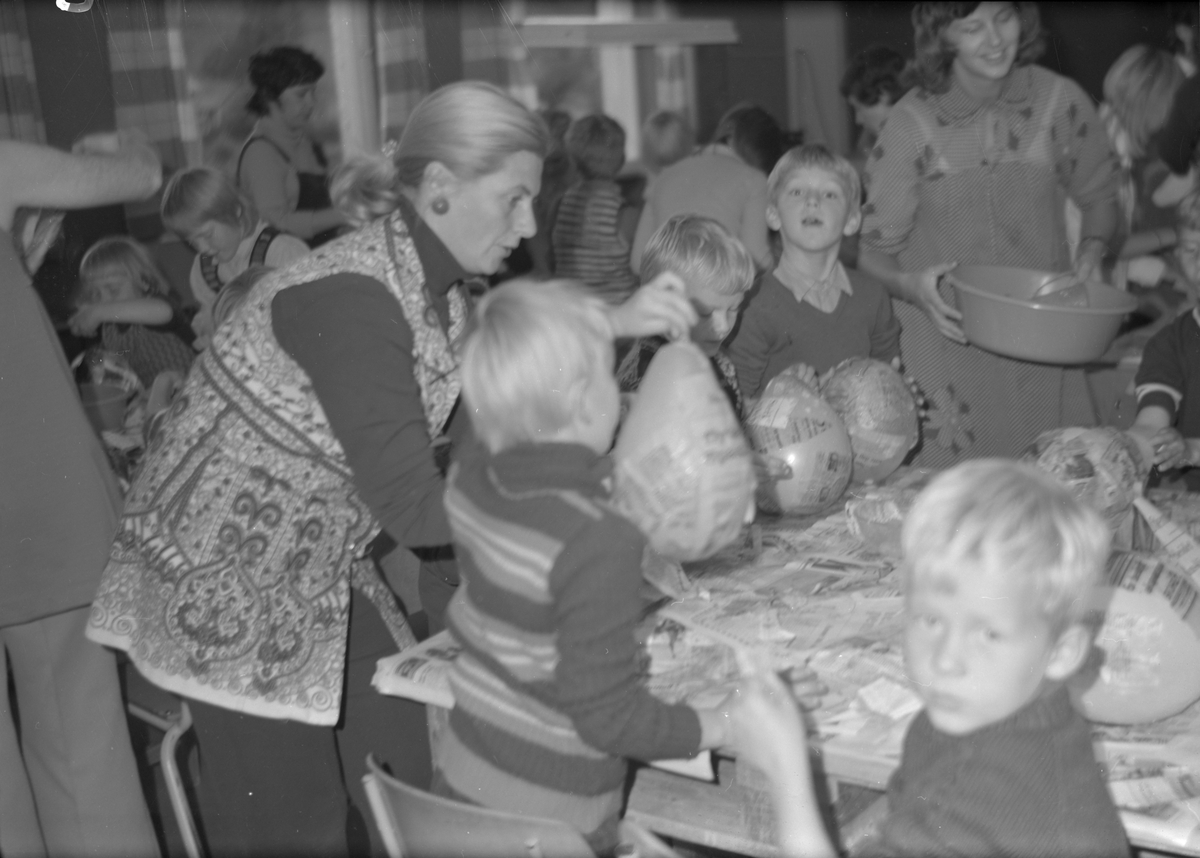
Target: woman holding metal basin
974, 167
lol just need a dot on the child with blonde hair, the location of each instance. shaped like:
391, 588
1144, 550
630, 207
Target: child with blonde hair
123, 296
1139, 90
811, 309
999, 562
203, 208
549, 703
717, 271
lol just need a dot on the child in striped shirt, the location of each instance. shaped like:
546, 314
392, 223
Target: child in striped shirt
549, 700
593, 231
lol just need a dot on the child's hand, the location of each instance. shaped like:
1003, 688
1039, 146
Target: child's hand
1170, 449
924, 293
86, 320
913, 388
659, 307
804, 373
767, 730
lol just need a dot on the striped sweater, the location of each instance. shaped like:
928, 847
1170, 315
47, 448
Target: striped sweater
587, 243
548, 697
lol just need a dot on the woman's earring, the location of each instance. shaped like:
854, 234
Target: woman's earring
440, 205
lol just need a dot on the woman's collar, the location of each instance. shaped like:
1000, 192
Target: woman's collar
1016, 93
441, 268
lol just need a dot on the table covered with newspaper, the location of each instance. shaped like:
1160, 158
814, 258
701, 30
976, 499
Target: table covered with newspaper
812, 594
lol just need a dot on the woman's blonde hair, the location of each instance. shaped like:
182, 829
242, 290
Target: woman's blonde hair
200, 194
119, 251
530, 344
470, 127
1140, 87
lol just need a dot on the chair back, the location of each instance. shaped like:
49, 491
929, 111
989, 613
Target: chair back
416, 824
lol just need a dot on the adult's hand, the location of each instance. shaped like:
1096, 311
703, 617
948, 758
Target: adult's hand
923, 292
659, 307
1089, 258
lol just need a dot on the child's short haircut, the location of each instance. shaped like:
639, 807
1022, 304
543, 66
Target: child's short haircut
666, 138
233, 294
200, 194
1140, 87
699, 250
530, 344
817, 156
597, 143
119, 251
998, 516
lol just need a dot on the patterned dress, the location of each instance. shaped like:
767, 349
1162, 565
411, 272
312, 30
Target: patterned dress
953, 180
229, 579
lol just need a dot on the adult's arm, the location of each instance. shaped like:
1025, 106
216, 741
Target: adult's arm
1090, 174
888, 219
754, 224
349, 335
264, 174
1178, 139
111, 169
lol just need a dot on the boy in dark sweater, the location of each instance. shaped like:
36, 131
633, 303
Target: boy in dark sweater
810, 309
999, 561
548, 697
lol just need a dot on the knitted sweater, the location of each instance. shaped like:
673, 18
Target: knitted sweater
1025, 786
587, 243
777, 331
548, 693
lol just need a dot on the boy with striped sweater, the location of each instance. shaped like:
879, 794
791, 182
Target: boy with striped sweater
548, 697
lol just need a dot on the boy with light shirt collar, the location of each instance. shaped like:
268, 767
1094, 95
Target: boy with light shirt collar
810, 309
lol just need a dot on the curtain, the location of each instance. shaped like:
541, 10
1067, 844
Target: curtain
400, 63
492, 49
145, 46
20, 109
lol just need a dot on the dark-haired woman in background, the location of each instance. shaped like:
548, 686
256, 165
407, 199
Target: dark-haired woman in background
281, 167
973, 166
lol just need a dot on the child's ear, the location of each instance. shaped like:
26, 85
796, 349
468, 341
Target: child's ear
1069, 652
773, 220
852, 224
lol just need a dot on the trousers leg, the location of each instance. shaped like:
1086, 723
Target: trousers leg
75, 741
268, 787
392, 728
20, 833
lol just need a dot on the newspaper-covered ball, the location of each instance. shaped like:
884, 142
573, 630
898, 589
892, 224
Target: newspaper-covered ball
683, 469
1102, 467
880, 414
1150, 640
793, 423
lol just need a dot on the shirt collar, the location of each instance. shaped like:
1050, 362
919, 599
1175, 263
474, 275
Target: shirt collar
441, 268
825, 294
956, 105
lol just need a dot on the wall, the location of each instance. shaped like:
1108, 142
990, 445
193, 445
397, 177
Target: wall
752, 70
